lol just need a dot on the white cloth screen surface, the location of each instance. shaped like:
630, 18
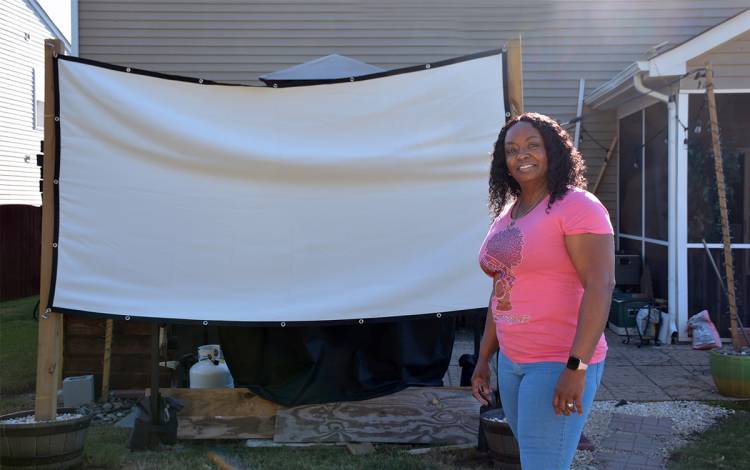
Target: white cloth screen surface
356, 200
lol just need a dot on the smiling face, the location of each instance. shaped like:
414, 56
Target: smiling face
525, 155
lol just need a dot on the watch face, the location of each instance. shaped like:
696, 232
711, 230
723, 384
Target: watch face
573, 363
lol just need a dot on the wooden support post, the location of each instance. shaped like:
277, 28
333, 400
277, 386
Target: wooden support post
722, 192
49, 345
515, 77
107, 359
604, 165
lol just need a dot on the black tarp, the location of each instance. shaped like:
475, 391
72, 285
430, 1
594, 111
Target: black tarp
320, 364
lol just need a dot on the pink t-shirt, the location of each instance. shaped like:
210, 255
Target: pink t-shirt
537, 289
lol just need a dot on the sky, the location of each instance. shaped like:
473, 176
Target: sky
59, 12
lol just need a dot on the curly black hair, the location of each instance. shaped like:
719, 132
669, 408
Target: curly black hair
565, 165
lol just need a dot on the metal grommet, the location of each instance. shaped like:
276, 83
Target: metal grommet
205, 323
351, 79
127, 317
283, 324
200, 80
361, 321
54, 245
57, 118
507, 114
427, 66
440, 315
54, 181
127, 69
275, 85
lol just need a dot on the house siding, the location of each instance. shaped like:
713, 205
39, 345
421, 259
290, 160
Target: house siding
21, 62
730, 62
563, 41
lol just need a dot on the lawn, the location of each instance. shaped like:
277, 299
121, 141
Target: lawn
105, 449
18, 332
723, 446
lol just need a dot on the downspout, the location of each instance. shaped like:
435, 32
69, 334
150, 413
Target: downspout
671, 190
74, 40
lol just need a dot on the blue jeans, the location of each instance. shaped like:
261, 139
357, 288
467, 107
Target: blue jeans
547, 441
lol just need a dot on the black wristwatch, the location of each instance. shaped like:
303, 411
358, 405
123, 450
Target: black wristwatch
576, 364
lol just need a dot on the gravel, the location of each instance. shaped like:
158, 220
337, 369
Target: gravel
688, 417
31, 419
495, 420
109, 412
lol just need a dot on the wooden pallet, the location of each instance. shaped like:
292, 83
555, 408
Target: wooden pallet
423, 415
227, 413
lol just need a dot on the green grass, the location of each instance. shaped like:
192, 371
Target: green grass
18, 337
105, 449
722, 446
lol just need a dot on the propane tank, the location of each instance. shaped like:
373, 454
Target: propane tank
211, 370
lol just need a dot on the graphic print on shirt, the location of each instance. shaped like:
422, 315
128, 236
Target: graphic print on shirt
502, 254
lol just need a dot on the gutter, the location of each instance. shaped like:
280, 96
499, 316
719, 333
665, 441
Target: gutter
671, 191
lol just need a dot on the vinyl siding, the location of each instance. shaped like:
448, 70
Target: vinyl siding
730, 62
21, 62
563, 41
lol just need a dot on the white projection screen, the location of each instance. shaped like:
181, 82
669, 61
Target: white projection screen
179, 199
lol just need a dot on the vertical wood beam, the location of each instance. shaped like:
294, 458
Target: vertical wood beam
515, 77
723, 212
49, 346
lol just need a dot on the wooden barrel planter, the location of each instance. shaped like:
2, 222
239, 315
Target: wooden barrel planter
500, 440
45, 445
731, 374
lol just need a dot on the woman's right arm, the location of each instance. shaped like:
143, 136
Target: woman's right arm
480, 379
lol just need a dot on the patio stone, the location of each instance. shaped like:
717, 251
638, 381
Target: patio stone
679, 383
621, 461
602, 393
703, 373
687, 356
617, 359
628, 383
649, 356
633, 442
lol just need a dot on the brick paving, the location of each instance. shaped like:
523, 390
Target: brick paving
633, 442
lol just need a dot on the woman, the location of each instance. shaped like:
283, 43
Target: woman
550, 253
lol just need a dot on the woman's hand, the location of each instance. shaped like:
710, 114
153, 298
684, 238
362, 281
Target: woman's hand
569, 389
480, 383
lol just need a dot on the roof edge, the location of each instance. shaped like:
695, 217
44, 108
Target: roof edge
671, 62
39, 10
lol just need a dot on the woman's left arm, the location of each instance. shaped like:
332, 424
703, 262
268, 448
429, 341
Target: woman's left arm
593, 256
